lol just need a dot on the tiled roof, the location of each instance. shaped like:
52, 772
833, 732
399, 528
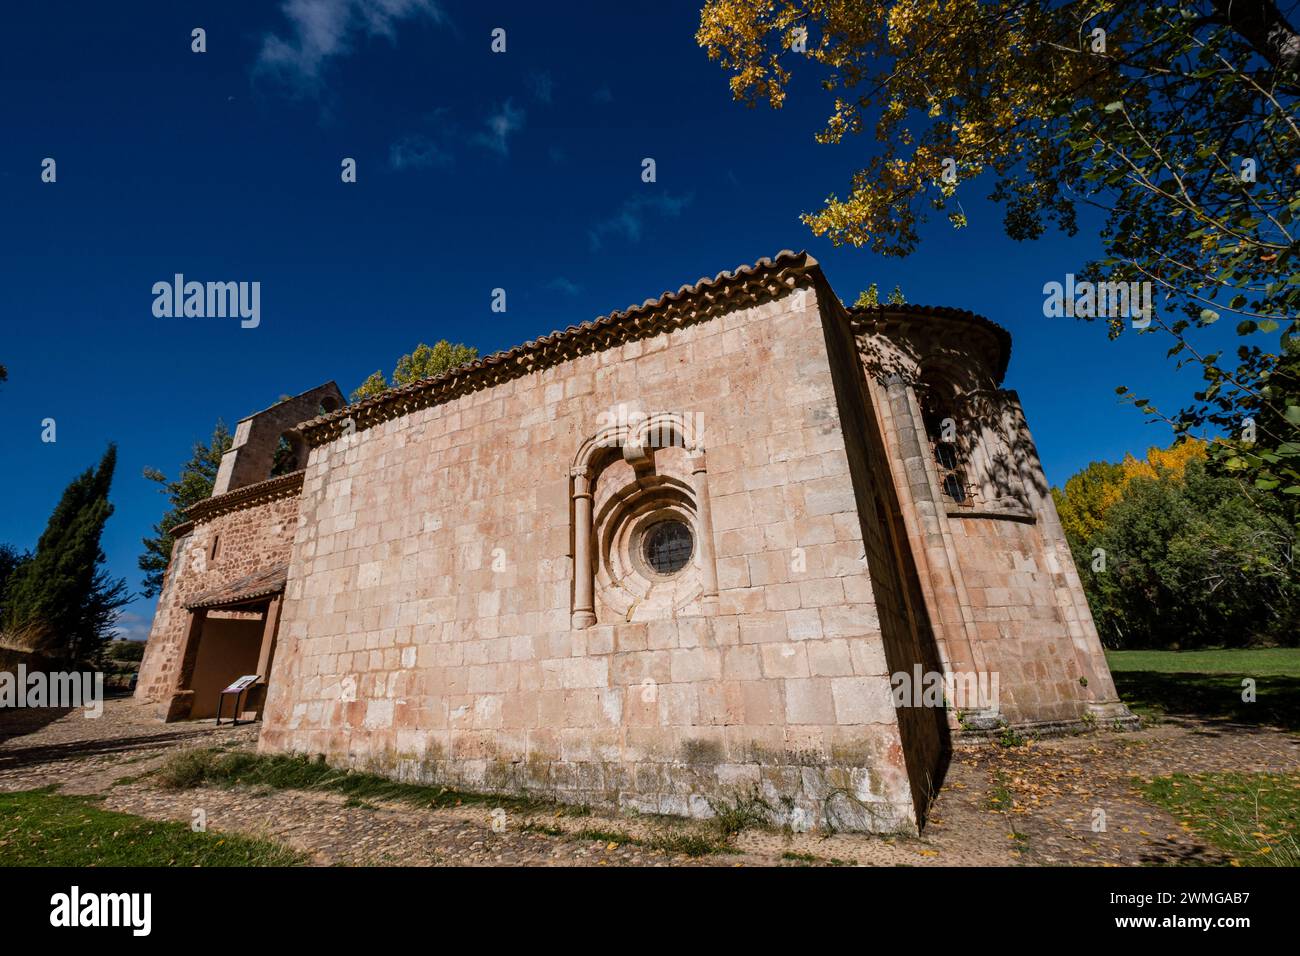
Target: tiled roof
746, 285
879, 316
282, 486
258, 584
743, 286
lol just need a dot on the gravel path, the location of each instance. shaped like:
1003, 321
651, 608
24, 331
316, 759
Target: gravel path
1055, 789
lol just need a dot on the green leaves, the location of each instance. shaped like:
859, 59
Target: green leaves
425, 362
1191, 560
194, 483
63, 596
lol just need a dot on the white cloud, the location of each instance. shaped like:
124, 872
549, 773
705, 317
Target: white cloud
563, 285
323, 29
417, 151
628, 220
509, 119
129, 626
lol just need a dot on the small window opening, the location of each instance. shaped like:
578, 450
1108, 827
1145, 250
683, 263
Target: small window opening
285, 459
668, 546
941, 429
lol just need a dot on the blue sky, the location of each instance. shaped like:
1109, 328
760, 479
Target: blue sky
476, 171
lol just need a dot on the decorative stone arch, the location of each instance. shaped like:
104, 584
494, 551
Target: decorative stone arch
606, 539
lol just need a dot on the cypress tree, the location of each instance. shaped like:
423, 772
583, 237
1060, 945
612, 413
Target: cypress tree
63, 598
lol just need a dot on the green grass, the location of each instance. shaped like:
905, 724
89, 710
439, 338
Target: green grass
1000, 799
1266, 662
606, 836
193, 768
1208, 684
215, 767
745, 811
44, 828
1254, 817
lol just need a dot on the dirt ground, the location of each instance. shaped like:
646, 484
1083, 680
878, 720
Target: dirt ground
1054, 787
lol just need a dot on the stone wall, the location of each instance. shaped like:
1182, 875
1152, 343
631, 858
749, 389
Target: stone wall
908, 637
996, 574
1033, 626
426, 627
255, 538
253, 446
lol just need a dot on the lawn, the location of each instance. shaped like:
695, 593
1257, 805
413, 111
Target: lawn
1269, 662
1208, 683
1254, 817
43, 828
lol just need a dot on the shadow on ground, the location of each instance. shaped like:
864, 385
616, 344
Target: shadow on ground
1213, 697
77, 749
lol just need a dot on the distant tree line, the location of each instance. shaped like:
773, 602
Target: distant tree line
1175, 554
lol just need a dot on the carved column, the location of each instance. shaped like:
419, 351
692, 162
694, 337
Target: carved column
584, 609
703, 513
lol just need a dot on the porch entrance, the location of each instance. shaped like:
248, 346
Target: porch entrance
225, 642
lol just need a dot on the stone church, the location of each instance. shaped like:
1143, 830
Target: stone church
689, 551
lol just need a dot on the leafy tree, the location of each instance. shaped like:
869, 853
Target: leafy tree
1174, 554
1192, 562
871, 297
1087, 496
130, 651
63, 596
1090, 494
10, 562
197, 477
1178, 120
424, 362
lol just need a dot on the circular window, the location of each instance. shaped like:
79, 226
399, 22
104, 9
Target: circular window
667, 546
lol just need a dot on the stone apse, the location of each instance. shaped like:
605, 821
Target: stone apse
661, 560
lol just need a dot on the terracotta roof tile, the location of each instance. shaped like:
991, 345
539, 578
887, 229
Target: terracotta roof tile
745, 284
258, 584
883, 313
282, 486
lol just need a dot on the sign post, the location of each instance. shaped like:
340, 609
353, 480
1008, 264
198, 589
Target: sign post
238, 689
